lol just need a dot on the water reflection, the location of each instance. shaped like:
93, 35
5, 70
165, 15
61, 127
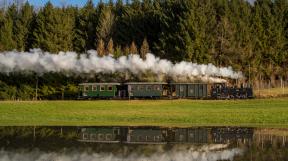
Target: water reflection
158, 135
142, 143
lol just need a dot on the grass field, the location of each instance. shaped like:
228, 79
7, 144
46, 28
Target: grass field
256, 113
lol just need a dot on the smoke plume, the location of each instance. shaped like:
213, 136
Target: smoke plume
72, 63
175, 154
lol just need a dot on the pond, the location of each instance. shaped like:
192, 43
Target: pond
142, 144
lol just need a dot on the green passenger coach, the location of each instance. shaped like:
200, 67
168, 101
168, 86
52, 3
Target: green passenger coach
98, 90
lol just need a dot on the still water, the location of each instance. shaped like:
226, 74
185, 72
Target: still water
142, 144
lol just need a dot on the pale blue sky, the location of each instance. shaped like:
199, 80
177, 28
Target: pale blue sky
78, 3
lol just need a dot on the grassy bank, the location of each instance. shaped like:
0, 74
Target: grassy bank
257, 112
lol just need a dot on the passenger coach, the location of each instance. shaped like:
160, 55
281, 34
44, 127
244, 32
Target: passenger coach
130, 90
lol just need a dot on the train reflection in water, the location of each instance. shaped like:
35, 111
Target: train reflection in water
158, 135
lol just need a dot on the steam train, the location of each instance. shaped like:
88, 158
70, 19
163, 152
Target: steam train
157, 135
138, 90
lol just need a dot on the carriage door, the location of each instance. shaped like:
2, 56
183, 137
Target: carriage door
182, 90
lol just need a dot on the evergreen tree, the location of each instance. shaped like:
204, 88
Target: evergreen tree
176, 38
23, 27
85, 28
105, 23
1, 26
6, 29
54, 29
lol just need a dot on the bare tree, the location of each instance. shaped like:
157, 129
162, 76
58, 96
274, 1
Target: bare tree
144, 49
101, 48
110, 47
133, 48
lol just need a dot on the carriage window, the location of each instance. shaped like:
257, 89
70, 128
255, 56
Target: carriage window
116, 132
94, 88
110, 88
191, 135
85, 136
157, 87
108, 136
141, 87
102, 88
149, 88
148, 138
140, 138
181, 137
92, 136
100, 137
181, 88
133, 88
86, 88
157, 138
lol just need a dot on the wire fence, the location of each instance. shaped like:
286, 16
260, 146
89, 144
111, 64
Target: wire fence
268, 88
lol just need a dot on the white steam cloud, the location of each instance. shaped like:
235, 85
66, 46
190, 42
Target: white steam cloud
187, 154
72, 63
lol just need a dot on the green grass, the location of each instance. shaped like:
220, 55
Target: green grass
256, 113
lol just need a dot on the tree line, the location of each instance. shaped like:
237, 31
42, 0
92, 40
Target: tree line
249, 37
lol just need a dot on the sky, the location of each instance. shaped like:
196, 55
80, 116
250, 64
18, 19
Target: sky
78, 3
59, 3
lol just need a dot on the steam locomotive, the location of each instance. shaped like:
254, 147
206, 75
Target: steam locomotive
138, 90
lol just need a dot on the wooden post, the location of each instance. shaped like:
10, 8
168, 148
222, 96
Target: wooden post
34, 133
36, 91
262, 144
269, 87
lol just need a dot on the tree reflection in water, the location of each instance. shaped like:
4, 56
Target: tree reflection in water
144, 144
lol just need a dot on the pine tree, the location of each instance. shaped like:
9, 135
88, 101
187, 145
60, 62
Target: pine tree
144, 49
105, 23
54, 29
101, 48
133, 48
23, 27
6, 29
85, 28
176, 37
110, 47
2, 18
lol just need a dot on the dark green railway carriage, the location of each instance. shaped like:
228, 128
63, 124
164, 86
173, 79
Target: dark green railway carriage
192, 135
189, 90
100, 134
145, 136
98, 90
146, 89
